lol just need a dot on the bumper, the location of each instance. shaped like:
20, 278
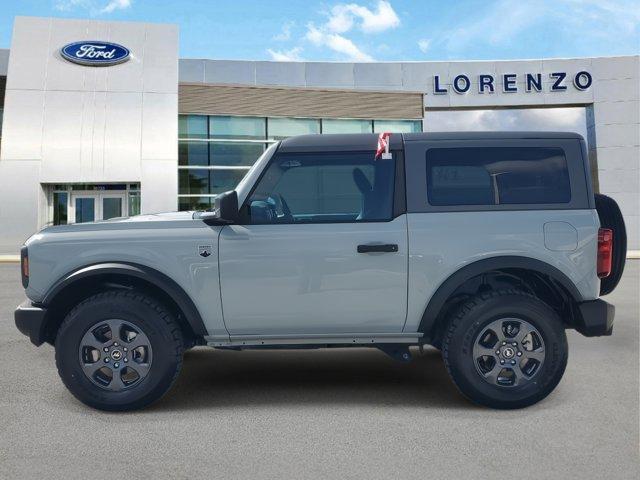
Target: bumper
596, 318
30, 320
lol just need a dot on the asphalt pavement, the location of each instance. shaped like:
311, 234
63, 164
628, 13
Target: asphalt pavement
339, 413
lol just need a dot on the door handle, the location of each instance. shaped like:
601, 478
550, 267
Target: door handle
384, 248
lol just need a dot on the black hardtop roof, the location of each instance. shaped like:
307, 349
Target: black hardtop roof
369, 141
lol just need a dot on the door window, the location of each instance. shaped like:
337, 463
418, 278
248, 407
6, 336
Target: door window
85, 209
323, 188
111, 207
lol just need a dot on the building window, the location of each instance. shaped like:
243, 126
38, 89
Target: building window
280, 128
216, 151
397, 126
60, 206
86, 202
192, 126
237, 127
347, 126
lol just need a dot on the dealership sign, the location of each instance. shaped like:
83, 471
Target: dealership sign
512, 83
95, 53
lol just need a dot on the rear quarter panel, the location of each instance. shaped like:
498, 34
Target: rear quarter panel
442, 243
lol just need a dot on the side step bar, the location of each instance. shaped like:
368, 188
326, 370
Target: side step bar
317, 339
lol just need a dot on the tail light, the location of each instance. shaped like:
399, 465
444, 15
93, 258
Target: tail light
605, 252
24, 266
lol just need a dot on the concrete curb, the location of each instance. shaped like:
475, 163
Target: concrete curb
631, 254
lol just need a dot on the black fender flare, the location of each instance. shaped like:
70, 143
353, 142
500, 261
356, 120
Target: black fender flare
150, 275
446, 289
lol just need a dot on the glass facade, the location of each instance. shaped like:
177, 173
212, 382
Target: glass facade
78, 202
215, 151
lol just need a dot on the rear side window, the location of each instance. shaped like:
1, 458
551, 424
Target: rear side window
497, 176
323, 188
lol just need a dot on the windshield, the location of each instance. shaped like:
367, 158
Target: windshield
244, 187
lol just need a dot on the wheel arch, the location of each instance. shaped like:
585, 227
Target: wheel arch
435, 309
84, 281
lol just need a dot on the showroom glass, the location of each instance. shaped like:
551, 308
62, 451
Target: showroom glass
193, 126
397, 126
133, 202
194, 182
194, 203
280, 128
85, 209
323, 188
497, 176
111, 208
60, 205
347, 126
114, 206
237, 127
227, 146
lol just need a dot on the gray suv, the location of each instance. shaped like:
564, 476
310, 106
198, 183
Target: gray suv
486, 246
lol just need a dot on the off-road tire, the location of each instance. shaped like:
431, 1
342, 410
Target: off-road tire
468, 322
143, 312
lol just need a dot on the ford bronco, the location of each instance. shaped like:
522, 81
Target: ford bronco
486, 246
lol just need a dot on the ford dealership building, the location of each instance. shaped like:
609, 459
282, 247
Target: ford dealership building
102, 119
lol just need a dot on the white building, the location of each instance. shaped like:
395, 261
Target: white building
155, 132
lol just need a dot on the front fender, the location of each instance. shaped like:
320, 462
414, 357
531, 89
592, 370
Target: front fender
158, 279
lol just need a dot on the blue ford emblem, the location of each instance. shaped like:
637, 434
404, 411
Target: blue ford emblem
95, 53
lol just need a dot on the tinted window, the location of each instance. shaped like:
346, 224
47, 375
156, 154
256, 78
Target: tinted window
497, 176
322, 188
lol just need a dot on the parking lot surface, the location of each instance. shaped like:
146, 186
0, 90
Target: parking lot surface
339, 413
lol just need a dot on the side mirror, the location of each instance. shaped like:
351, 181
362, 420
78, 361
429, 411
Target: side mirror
225, 206
225, 209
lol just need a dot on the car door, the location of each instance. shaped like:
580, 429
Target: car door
322, 248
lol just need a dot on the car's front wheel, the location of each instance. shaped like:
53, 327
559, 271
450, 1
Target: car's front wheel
505, 349
119, 350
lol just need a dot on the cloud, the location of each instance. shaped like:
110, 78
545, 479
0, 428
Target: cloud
93, 7
569, 119
116, 5
337, 43
292, 55
588, 24
424, 44
330, 33
285, 32
342, 18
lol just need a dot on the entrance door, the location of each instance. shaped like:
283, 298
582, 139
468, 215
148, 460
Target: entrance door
112, 205
320, 250
93, 206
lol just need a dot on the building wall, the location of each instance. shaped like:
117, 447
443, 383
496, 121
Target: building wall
67, 123
297, 102
612, 101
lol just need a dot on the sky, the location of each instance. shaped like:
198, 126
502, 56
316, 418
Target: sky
369, 30
382, 30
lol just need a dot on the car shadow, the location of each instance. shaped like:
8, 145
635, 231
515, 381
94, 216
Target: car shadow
345, 376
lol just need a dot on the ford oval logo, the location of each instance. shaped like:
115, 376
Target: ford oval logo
95, 53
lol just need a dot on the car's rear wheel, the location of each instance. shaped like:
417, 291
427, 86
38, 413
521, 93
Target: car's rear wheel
505, 349
119, 350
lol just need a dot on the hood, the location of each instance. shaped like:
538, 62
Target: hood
151, 220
